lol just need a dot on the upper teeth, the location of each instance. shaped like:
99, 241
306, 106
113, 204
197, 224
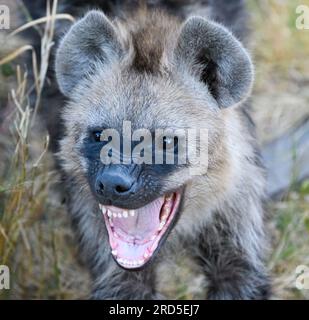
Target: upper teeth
123, 214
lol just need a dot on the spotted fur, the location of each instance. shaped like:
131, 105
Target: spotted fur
164, 68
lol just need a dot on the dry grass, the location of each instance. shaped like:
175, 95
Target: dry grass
35, 238
290, 226
280, 101
282, 66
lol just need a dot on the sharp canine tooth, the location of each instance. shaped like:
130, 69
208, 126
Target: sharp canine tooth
165, 213
114, 252
132, 212
100, 206
161, 225
103, 209
125, 214
109, 213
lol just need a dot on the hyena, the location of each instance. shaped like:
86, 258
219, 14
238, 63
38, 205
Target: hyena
165, 64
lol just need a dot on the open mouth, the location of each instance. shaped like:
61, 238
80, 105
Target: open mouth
134, 235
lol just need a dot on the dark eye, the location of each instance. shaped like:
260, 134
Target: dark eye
96, 135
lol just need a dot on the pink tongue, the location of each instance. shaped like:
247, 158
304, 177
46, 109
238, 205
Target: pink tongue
143, 225
132, 236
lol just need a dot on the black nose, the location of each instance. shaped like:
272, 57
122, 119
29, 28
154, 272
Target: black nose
114, 182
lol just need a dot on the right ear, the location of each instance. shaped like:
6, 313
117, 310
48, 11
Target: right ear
91, 40
215, 57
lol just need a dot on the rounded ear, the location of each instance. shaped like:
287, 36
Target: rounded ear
90, 41
210, 52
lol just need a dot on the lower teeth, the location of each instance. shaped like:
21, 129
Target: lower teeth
164, 216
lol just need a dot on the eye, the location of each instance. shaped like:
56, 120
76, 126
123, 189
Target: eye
97, 135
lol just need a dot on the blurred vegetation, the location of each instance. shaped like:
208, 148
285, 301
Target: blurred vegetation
35, 238
282, 66
278, 43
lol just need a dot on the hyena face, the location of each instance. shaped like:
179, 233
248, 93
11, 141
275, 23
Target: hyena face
157, 74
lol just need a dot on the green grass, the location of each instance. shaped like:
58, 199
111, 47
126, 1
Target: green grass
291, 241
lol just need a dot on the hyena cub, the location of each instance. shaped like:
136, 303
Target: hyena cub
158, 71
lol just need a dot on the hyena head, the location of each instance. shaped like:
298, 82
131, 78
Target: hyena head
162, 78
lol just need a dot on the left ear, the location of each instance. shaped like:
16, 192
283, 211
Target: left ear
91, 40
211, 53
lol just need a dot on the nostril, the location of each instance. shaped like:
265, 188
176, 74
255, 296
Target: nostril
112, 183
122, 188
100, 188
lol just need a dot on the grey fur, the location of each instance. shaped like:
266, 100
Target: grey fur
233, 68
77, 54
221, 219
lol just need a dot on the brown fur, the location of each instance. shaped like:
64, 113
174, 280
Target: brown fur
151, 34
147, 69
